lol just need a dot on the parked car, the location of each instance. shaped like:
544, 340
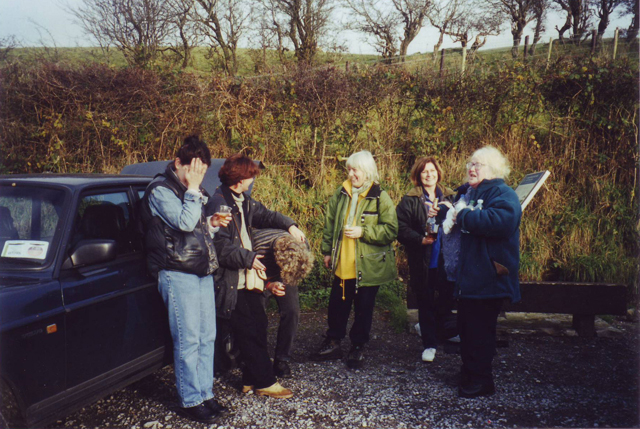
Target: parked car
79, 315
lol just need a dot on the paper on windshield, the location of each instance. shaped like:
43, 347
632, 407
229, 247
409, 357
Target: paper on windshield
29, 249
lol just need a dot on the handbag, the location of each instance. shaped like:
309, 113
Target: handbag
254, 279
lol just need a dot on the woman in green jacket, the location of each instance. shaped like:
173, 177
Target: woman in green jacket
360, 227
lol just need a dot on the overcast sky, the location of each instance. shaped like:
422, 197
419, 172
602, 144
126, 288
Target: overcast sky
38, 22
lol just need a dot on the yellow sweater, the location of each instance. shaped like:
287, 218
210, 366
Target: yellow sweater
346, 267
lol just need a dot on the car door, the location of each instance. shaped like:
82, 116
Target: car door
114, 315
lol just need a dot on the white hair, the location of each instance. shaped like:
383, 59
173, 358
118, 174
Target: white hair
495, 160
364, 162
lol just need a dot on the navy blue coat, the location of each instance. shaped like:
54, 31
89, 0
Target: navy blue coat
490, 252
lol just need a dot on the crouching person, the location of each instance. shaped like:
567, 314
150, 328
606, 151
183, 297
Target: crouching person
288, 261
181, 255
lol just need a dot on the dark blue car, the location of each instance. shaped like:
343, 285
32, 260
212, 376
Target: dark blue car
79, 315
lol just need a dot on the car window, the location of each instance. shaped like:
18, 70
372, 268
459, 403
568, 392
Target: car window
104, 216
30, 221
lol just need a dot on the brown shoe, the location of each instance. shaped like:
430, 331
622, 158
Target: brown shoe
247, 389
275, 391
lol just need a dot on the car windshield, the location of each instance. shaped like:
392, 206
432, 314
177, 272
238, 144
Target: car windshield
30, 224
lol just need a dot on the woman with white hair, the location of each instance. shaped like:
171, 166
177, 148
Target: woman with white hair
487, 275
360, 227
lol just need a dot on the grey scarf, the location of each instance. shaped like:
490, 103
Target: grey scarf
355, 193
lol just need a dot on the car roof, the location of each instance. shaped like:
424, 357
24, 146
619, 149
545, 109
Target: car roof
74, 181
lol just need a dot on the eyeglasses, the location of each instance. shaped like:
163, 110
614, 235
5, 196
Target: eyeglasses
475, 165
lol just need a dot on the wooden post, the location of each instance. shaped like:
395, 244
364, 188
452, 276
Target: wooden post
526, 46
594, 34
615, 43
464, 58
549, 52
346, 67
441, 62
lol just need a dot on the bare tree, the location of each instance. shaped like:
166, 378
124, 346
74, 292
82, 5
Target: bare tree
138, 28
441, 16
371, 18
520, 12
632, 7
305, 23
603, 9
413, 13
578, 18
540, 16
222, 23
474, 23
402, 23
184, 32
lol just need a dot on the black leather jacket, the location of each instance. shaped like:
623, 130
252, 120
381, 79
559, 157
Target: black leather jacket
170, 249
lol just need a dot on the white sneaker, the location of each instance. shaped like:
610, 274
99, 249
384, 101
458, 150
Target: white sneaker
428, 355
455, 339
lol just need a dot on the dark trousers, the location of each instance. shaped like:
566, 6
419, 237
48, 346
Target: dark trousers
425, 296
289, 309
249, 324
477, 321
363, 300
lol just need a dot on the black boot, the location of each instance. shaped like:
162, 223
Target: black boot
281, 368
329, 350
355, 360
200, 413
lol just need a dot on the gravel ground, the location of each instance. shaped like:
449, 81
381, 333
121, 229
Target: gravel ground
545, 377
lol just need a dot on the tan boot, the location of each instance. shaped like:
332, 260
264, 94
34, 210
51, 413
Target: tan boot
275, 391
247, 389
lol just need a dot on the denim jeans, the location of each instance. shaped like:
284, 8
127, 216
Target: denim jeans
191, 307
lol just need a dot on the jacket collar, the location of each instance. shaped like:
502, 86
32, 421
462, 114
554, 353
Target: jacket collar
373, 192
485, 184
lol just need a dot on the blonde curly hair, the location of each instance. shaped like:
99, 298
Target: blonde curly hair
294, 258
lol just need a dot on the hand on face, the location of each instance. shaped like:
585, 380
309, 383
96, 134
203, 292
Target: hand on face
194, 173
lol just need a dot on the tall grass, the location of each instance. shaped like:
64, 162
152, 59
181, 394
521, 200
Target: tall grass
578, 119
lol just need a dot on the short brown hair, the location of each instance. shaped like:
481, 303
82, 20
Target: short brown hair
419, 166
236, 168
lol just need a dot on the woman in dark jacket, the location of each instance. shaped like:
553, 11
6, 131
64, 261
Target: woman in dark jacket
422, 249
488, 265
234, 302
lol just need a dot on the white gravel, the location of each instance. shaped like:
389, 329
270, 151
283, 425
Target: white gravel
542, 380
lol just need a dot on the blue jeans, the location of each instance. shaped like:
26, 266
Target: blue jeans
191, 306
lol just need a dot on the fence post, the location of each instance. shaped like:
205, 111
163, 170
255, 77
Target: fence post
549, 53
594, 34
464, 58
526, 46
346, 67
615, 43
441, 62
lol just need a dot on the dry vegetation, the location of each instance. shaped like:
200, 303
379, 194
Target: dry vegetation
578, 119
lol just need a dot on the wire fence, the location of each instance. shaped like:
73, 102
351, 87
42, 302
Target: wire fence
451, 61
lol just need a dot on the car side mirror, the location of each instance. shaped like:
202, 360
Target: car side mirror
89, 252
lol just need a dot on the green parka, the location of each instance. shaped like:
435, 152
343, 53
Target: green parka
375, 254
